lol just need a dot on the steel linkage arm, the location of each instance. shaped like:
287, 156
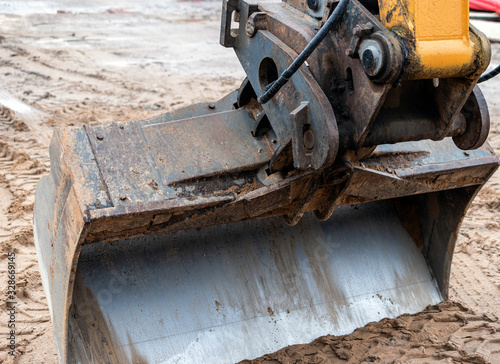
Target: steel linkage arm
369, 72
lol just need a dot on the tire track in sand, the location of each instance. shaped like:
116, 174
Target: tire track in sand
21, 165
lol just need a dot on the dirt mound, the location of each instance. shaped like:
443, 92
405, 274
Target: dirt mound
445, 333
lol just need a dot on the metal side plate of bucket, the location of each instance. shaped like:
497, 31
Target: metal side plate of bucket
226, 293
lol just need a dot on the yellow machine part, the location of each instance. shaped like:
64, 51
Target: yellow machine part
441, 44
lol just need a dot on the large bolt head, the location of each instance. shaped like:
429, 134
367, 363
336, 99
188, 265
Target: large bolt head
369, 61
372, 57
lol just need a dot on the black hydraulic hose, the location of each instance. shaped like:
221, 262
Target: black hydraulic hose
490, 75
270, 90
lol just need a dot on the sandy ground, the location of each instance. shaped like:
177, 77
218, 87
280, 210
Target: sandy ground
61, 65
445, 333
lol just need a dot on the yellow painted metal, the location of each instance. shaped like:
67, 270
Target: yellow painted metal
439, 41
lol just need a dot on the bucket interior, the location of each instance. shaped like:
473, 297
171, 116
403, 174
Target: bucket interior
231, 292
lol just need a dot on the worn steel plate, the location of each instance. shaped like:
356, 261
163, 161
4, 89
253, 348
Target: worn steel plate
204, 146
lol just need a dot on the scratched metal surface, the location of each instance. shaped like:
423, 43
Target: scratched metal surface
188, 148
236, 291
427, 153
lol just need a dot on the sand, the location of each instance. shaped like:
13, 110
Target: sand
62, 64
445, 333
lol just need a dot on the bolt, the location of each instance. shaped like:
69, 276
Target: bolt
368, 59
99, 136
309, 139
211, 106
312, 4
372, 57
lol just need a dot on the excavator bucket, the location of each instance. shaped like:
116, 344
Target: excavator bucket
134, 272
224, 231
